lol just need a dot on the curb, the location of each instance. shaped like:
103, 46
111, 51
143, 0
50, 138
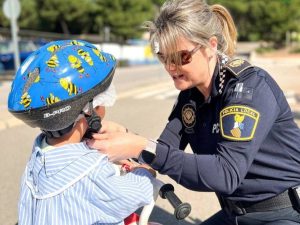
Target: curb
10, 123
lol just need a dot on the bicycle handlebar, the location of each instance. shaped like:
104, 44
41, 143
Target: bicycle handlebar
181, 210
165, 191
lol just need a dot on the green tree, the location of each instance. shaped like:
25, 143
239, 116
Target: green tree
273, 19
65, 16
124, 18
267, 20
3, 20
29, 14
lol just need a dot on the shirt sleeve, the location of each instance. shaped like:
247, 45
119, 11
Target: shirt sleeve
224, 170
119, 196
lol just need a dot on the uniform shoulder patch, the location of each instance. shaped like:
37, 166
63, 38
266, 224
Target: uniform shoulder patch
237, 66
238, 122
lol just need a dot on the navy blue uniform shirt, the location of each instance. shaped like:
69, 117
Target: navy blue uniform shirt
246, 144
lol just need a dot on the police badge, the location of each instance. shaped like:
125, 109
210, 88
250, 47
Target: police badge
189, 117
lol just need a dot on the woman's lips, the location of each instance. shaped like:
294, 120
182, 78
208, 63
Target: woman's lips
176, 77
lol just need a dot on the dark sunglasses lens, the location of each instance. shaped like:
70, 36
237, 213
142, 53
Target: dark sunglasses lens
185, 57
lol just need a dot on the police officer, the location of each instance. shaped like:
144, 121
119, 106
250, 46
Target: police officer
233, 115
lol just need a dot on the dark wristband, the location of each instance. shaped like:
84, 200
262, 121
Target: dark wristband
148, 155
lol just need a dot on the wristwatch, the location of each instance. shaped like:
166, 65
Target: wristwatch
149, 153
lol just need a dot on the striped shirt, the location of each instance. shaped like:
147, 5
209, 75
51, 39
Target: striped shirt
73, 184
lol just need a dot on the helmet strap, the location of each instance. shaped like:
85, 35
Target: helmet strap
58, 133
93, 120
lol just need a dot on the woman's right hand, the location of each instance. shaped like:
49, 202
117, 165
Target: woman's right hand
111, 127
118, 145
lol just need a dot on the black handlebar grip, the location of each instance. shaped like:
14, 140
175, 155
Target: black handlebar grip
182, 210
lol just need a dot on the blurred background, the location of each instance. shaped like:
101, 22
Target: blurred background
269, 37
116, 25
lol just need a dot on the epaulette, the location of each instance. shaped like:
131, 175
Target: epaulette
237, 66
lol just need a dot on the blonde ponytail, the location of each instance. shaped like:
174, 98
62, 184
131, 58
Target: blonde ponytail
229, 30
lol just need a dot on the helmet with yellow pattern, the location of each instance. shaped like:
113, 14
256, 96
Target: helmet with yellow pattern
53, 85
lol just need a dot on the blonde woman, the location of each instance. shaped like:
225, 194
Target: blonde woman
233, 115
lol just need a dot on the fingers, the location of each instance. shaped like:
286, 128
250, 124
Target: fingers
99, 142
104, 128
97, 136
144, 166
124, 161
110, 126
99, 145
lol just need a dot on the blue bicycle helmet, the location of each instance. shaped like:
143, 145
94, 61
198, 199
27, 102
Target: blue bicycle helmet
54, 83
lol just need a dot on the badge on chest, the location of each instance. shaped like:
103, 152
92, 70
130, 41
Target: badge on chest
189, 117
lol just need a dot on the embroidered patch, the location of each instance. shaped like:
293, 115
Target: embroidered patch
188, 115
236, 63
237, 66
238, 122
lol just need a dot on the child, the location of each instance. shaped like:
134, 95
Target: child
62, 88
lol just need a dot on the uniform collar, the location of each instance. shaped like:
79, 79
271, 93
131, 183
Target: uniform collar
215, 81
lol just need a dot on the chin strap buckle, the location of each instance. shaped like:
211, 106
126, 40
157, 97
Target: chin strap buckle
93, 120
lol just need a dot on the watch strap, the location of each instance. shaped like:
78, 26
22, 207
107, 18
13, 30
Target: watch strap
149, 153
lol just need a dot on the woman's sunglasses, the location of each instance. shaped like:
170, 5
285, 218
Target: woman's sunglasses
185, 56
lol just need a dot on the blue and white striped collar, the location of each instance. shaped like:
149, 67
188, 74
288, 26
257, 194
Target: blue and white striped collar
49, 173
